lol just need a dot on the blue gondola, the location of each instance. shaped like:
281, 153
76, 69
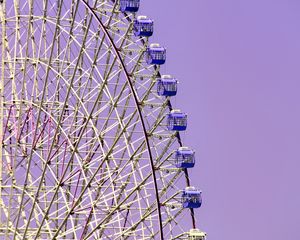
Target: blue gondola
167, 86
143, 26
156, 54
191, 198
129, 5
177, 121
185, 158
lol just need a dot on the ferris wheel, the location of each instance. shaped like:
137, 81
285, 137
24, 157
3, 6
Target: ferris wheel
90, 144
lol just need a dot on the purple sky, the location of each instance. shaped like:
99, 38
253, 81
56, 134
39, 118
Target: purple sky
238, 66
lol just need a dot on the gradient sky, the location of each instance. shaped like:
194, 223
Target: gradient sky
238, 66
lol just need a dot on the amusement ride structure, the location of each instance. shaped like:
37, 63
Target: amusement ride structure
90, 144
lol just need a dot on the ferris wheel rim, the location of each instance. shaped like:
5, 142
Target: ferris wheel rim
138, 108
170, 108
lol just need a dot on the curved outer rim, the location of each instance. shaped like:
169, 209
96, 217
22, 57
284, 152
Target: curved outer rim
139, 111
